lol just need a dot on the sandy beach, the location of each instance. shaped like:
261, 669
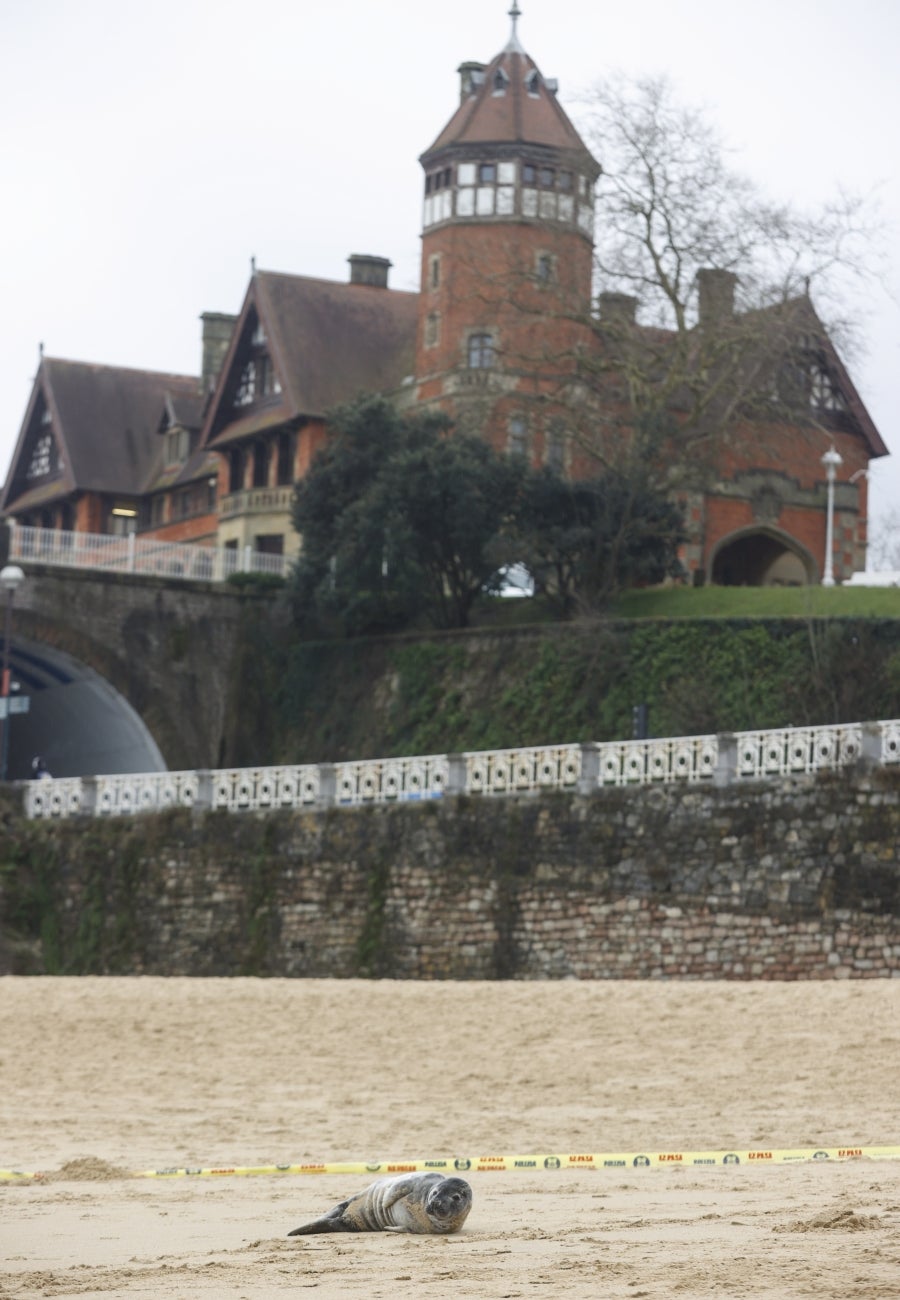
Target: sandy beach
102, 1077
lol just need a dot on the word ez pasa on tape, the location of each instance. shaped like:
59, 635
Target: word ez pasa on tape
512, 1163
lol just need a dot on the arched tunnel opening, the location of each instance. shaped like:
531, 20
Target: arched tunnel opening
71, 717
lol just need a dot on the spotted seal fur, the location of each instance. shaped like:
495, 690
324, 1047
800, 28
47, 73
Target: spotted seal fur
425, 1203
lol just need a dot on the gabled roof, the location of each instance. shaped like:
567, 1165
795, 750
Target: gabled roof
514, 116
329, 342
804, 319
103, 421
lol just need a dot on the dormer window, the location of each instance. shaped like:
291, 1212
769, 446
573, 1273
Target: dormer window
500, 82
41, 463
533, 84
257, 379
245, 394
178, 445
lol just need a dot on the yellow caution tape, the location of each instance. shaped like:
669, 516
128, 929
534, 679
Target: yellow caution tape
509, 1164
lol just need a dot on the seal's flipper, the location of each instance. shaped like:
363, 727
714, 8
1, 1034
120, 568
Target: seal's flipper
333, 1221
327, 1224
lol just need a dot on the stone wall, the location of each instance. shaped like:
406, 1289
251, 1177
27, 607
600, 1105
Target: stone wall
177, 652
795, 879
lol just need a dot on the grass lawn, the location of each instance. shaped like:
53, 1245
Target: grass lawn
759, 602
711, 602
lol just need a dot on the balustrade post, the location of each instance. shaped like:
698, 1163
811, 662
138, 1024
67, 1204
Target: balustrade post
132, 541
871, 751
88, 803
726, 758
456, 774
589, 780
327, 785
203, 801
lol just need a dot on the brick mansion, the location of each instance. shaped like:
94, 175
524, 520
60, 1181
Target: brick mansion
507, 320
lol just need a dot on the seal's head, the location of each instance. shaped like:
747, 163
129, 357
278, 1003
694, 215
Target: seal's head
448, 1203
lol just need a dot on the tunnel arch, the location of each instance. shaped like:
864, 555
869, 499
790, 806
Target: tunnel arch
76, 721
761, 556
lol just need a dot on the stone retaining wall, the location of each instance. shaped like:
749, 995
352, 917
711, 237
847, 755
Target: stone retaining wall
784, 880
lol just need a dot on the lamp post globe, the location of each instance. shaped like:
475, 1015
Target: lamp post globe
832, 460
11, 577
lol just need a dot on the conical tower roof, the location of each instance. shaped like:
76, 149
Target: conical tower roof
509, 102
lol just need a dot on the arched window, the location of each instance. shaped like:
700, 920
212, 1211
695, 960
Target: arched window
481, 351
518, 436
545, 267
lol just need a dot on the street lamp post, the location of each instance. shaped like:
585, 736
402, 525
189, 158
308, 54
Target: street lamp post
10, 578
831, 460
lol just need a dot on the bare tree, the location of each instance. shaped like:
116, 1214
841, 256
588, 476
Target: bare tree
704, 317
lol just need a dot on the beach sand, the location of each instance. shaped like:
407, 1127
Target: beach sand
104, 1076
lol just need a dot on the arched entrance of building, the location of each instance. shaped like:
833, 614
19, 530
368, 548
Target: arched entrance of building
762, 557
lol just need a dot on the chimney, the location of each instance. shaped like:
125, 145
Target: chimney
365, 269
471, 76
617, 308
715, 295
217, 330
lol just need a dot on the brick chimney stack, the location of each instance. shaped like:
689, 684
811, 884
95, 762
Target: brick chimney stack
617, 308
366, 269
715, 291
217, 330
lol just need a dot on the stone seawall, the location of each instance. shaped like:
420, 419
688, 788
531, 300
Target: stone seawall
786, 880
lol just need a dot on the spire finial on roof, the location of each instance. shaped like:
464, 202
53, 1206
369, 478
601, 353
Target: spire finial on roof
515, 14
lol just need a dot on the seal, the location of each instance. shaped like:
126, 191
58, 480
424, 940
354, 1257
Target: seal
425, 1203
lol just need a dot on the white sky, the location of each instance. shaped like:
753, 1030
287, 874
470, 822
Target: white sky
148, 150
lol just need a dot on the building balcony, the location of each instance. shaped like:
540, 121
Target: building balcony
256, 501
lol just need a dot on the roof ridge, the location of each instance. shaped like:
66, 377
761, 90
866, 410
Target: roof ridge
107, 365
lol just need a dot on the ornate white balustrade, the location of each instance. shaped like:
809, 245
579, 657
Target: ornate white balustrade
514, 771
245, 788
649, 762
387, 780
145, 791
797, 749
742, 756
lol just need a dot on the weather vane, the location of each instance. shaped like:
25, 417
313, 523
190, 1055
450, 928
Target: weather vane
515, 14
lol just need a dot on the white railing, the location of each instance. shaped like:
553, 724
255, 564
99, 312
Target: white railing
715, 760
386, 780
509, 771
137, 554
797, 749
649, 762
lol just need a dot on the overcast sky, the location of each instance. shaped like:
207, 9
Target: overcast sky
149, 150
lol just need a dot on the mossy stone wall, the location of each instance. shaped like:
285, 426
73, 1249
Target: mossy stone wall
789, 879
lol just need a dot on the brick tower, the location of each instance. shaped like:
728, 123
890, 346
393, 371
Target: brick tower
506, 255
